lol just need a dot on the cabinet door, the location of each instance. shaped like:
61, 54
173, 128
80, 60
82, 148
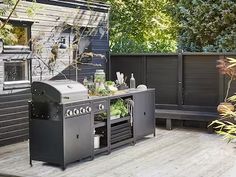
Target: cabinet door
144, 110
77, 138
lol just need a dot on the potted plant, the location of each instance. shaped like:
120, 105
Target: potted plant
226, 67
226, 125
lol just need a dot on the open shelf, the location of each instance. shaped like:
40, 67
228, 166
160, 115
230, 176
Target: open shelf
120, 119
99, 124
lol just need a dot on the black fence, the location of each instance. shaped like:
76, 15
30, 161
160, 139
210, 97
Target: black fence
188, 81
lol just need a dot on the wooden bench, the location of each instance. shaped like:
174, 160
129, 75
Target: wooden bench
170, 115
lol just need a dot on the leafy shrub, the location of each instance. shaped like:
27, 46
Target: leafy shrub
141, 26
206, 26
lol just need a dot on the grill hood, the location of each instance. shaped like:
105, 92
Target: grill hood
59, 91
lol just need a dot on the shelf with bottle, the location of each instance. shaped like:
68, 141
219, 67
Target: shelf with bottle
100, 139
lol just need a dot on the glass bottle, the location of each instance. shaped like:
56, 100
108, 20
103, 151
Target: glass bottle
132, 82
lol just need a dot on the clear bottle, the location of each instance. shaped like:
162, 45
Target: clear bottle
132, 82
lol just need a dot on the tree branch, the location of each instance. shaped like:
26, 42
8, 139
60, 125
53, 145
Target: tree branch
9, 16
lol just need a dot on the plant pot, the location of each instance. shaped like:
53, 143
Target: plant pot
122, 87
224, 107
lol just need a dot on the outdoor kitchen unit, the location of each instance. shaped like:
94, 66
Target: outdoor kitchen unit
66, 125
60, 122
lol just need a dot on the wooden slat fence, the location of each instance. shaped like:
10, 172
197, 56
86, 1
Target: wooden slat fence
185, 81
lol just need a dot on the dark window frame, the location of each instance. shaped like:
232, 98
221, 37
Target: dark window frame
26, 81
18, 84
26, 25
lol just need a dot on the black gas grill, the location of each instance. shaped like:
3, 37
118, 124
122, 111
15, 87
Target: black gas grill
60, 122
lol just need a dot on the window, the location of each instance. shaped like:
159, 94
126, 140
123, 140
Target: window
20, 35
15, 71
17, 32
16, 74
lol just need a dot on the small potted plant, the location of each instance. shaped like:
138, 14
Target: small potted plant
225, 125
120, 82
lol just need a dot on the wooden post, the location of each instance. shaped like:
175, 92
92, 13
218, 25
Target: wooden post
144, 63
180, 80
168, 124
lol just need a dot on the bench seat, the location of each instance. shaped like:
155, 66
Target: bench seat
184, 115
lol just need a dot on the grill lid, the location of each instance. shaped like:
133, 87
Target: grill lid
61, 91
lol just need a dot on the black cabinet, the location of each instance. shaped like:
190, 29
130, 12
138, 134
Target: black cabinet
143, 113
70, 136
63, 140
46, 143
77, 138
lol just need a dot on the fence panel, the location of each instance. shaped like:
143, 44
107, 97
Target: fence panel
128, 64
189, 80
162, 75
201, 80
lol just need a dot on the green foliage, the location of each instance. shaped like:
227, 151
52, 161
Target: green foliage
33, 9
141, 26
225, 128
226, 125
7, 35
207, 26
119, 108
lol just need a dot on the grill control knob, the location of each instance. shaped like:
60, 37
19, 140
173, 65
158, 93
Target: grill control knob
69, 113
82, 110
88, 109
101, 107
76, 112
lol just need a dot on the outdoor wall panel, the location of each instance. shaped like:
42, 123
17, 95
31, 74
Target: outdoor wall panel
14, 117
201, 80
162, 75
46, 32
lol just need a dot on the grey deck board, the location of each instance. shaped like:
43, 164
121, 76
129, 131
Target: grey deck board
176, 153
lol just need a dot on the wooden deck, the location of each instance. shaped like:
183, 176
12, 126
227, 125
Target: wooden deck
176, 153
